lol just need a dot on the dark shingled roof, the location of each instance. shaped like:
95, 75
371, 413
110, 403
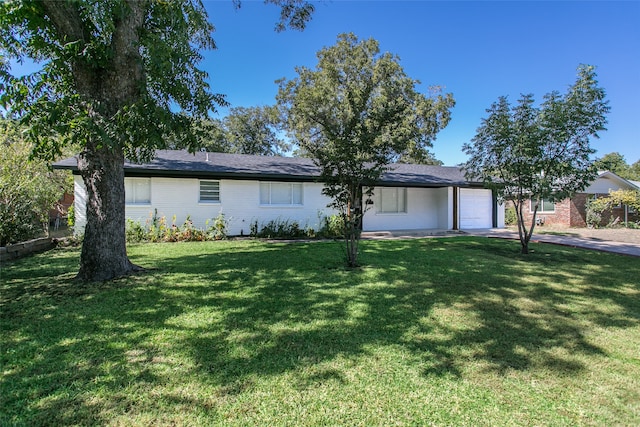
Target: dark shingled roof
180, 163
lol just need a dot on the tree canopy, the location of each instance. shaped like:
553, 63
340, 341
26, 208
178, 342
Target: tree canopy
120, 78
355, 114
616, 163
527, 153
246, 130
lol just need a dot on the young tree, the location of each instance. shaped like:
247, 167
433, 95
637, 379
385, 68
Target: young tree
113, 75
356, 113
527, 153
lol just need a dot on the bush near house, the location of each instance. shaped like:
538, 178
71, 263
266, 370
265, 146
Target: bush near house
158, 230
332, 227
609, 210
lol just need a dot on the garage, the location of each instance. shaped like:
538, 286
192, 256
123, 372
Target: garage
476, 208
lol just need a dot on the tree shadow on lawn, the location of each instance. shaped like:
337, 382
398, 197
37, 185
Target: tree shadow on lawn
264, 310
296, 317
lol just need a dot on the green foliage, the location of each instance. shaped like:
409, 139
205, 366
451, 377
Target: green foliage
28, 189
526, 152
111, 73
120, 79
156, 229
613, 162
71, 216
601, 209
634, 171
354, 115
616, 163
594, 210
252, 130
510, 216
255, 131
219, 227
332, 227
280, 228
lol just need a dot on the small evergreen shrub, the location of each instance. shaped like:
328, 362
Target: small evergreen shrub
510, 216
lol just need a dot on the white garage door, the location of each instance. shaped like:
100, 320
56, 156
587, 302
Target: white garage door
476, 208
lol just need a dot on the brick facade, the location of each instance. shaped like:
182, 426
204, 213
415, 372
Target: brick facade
573, 213
560, 216
578, 214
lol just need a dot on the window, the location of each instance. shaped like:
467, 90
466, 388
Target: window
392, 200
281, 193
137, 191
210, 191
545, 206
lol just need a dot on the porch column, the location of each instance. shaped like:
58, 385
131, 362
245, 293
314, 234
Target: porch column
494, 209
455, 208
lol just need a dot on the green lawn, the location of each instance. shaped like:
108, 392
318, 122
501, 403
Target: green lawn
449, 331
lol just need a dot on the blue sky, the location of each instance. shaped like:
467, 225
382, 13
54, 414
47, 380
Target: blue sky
476, 50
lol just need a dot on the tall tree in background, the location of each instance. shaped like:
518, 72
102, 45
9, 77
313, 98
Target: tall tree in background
612, 162
246, 130
113, 75
354, 115
527, 153
254, 130
634, 171
616, 163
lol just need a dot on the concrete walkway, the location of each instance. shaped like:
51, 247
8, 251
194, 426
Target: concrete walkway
571, 241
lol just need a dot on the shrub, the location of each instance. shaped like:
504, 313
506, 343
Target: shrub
332, 227
20, 220
135, 232
510, 216
280, 229
634, 225
28, 189
595, 209
218, 230
71, 216
157, 230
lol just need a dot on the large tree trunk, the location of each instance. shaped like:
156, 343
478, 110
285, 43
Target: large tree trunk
105, 88
104, 254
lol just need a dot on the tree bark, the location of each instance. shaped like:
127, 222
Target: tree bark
104, 253
108, 88
523, 233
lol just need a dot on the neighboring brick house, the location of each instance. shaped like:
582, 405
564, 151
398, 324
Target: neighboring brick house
59, 213
572, 212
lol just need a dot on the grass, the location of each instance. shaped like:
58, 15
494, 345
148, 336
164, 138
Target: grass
448, 331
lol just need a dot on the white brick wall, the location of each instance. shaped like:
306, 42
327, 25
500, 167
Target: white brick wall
427, 208
239, 201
